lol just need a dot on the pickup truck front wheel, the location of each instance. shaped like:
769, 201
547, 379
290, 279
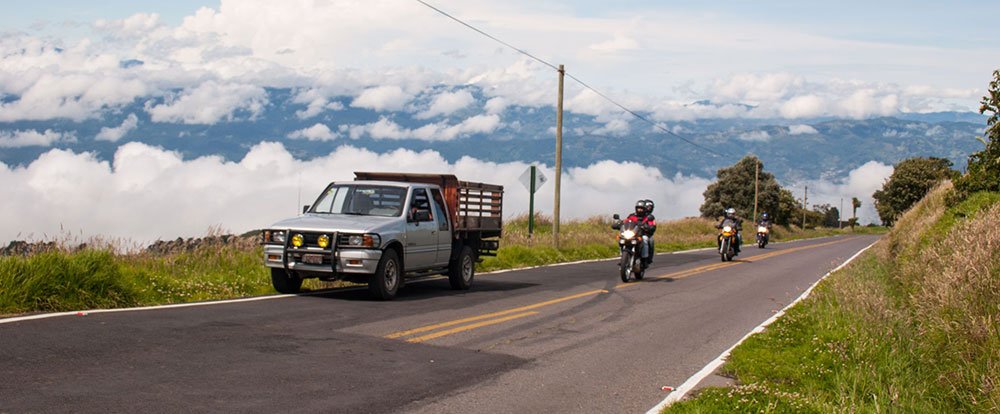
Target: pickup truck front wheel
284, 282
462, 270
385, 282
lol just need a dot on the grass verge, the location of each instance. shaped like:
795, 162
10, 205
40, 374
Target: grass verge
911, 326
64, 279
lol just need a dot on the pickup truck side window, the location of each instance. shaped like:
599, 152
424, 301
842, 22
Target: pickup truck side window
439, 211
420, 202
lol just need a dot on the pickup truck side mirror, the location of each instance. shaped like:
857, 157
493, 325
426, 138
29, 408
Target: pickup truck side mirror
305, 209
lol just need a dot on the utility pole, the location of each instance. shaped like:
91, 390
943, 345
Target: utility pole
756, 186
559, 127
805, 196
840, 213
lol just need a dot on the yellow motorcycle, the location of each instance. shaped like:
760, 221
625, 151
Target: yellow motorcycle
727, 243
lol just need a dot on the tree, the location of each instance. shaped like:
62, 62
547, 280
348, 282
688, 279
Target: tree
909, 182
830, 214
983, 170
855, 205
735, 188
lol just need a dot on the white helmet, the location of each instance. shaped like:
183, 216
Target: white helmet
730, 212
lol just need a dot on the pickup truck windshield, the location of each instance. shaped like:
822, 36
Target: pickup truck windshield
362, 200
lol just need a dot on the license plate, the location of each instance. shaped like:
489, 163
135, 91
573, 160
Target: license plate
312, 259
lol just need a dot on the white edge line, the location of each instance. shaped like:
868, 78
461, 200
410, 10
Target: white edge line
688, 385
282, 296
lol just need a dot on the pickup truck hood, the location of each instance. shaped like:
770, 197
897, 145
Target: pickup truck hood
337, 222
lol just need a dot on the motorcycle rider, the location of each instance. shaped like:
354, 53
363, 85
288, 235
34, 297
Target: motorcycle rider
765, 220
731, 219
647, 222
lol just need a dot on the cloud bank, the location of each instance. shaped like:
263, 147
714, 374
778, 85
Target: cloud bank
147, 193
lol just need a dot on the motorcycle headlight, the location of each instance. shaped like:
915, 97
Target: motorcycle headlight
762, 229
727, 229
298, 240
628, 234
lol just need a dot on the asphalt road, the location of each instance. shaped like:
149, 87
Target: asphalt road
567, 338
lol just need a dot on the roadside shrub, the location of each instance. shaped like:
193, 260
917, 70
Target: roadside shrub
60, 281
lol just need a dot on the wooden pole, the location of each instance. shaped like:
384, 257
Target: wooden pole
559, 128
805, 196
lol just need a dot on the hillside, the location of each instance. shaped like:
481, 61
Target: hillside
908, 327
793, 149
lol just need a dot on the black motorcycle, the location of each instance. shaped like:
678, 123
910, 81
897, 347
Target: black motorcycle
630, 243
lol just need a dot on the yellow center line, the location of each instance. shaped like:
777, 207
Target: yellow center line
439, 334
691, 272
492, 315
520, 312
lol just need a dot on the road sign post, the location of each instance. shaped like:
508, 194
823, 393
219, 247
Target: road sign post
532, 180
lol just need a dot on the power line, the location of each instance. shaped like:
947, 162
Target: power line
577, 80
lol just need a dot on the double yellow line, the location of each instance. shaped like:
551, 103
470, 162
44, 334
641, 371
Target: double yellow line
428, 332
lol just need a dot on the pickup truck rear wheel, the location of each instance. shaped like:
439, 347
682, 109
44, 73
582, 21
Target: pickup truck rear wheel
462, 270
385, 282
284, 282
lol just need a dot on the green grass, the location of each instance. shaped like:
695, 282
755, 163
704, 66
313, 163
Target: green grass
911, 326
65, 279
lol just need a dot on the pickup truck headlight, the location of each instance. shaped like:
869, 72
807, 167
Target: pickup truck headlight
323, 241
298, 240
364, 240
274, 237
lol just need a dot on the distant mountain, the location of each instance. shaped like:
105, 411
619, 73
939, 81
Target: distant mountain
792, 149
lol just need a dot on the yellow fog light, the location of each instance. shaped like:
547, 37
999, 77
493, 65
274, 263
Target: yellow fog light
297, 240
324, 241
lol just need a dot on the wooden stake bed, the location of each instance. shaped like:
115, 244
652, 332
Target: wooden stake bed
473, 207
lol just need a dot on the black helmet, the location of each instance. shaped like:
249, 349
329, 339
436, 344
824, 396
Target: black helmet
763, 216
649, 206
640, 208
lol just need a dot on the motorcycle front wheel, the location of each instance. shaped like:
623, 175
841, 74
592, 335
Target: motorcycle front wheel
625, 266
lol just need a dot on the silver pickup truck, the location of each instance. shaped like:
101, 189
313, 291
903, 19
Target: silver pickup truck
384, 227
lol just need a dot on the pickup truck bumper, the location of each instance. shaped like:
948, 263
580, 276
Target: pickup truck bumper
357, 261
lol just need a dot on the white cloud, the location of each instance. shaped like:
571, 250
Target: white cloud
383, 98
148, 193
385, 128
114, 134
801, 130
619, 43
754, 136
803, 106
496, 105
616, 127
209, 103
447, 103
33, 138
316, 103
317, 132
860, 182
376, 53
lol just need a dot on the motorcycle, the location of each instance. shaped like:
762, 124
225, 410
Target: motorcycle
727, 243
762, 236
630, 242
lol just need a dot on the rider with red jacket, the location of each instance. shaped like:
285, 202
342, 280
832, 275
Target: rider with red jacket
643, 215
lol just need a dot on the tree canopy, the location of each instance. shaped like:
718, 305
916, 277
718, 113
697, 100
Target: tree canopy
735, 188
983, 171
909, 182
